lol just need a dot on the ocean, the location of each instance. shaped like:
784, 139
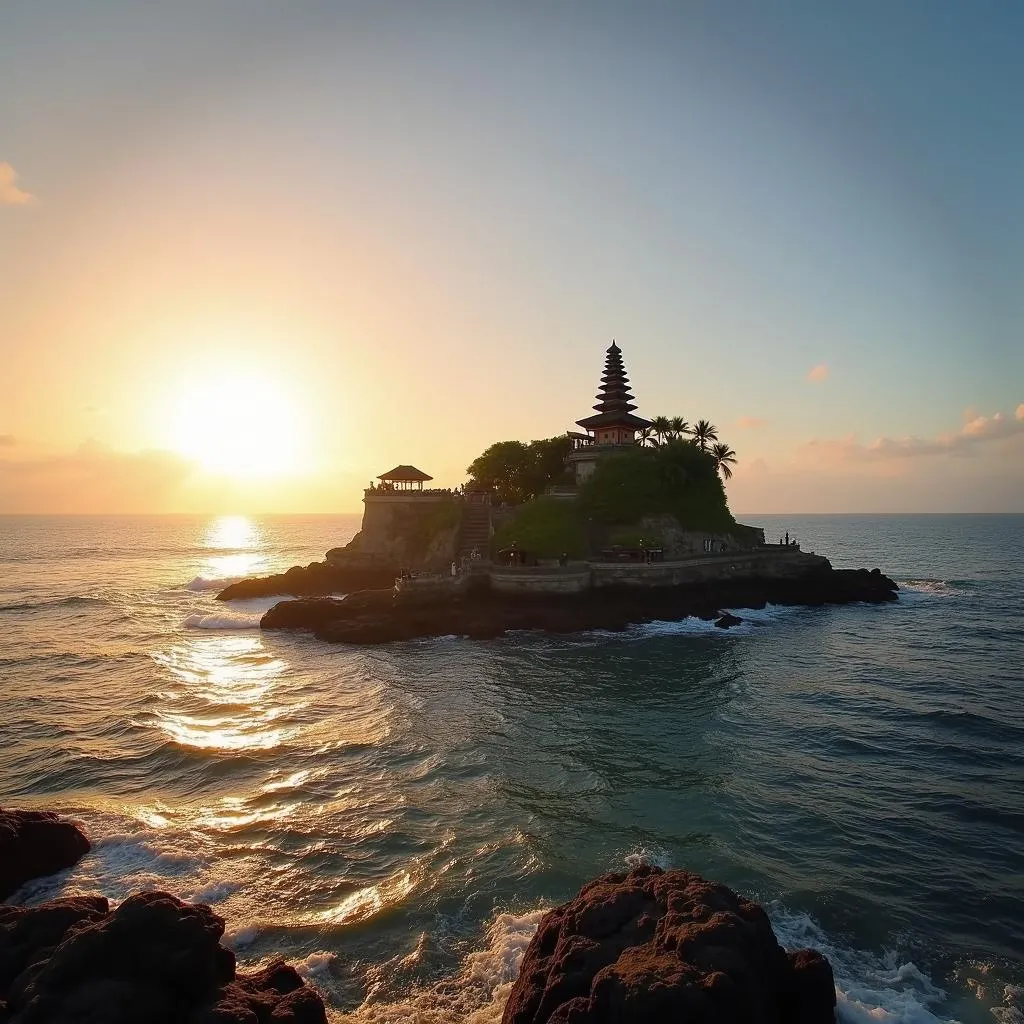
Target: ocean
396, 819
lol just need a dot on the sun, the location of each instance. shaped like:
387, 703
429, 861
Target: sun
239, 424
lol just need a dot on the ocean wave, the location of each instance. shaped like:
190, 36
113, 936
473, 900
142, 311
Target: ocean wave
224, 620
57, 602
753, 619
476, 994
932, 588
869, 987
203, 583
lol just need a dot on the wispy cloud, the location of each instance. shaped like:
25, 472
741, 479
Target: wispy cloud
750, 423
8, 440
10, 194
818, 373
976, 431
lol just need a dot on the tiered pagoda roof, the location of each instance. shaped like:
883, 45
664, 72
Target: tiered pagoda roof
614, 401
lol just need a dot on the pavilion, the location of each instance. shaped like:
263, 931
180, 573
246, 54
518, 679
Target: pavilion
404, 478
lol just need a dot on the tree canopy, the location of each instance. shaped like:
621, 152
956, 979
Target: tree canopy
675, 478
517, 471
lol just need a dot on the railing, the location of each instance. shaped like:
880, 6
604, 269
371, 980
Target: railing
400, 492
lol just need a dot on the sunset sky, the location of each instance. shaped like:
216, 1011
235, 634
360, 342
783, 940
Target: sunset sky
253, 254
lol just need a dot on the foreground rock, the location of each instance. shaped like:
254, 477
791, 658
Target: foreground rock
154, 959
383, 616
665, 946
34, 844
315, 579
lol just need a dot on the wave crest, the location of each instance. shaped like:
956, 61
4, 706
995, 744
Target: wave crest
224, 620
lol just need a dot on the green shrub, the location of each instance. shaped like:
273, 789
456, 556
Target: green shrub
545, 527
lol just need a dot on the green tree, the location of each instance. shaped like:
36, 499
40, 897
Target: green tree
662, 427
516, 471
679, 427
703, 434
645, 438
725, 459
675, 478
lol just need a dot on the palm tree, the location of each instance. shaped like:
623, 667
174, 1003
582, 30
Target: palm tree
703, 433
724, 458
645, 438
679, 427
662, 426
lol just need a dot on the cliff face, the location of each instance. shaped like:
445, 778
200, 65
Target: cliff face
415, 533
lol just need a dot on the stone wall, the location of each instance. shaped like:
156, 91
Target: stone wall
765, 564
538, 580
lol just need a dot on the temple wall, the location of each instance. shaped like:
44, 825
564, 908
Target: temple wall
762, 564
539, 581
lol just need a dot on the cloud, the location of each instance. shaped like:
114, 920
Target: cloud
976, 431
10, 194
818, 373
750, 423
8, 440
93, 478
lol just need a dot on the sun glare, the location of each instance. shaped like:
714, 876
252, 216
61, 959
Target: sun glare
240, 425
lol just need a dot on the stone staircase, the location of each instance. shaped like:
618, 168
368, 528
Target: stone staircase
476, 527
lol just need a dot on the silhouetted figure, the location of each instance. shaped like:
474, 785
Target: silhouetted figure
787, 538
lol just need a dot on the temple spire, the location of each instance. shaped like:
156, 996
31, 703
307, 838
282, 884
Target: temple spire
614, 422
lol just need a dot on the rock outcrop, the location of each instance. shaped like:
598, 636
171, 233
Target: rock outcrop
153, 959
659, 946
34, 844
315, 580
384, 616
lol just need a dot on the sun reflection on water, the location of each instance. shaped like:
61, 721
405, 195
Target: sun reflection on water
227, 697
243, 538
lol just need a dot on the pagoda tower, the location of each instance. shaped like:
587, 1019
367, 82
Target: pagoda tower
613, 424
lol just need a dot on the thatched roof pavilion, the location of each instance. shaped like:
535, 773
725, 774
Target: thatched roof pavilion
405, 478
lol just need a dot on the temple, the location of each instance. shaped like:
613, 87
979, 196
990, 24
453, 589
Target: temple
613, 426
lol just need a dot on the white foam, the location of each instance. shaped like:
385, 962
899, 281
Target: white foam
476, 995
241, 935
869, 988
214, 892
224, 620
314, 964
201, 583
643, 857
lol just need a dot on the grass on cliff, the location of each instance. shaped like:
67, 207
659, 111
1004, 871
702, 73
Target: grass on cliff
545, 527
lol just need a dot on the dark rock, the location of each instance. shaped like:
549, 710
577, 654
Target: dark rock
154, 959
655, 946
727, 620
375, 617
34, 844
317, 579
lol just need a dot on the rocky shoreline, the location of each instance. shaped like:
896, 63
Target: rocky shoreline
651, 945
386, 615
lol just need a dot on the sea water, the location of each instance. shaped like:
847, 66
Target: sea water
396, 819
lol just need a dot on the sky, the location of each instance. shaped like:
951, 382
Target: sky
253, 254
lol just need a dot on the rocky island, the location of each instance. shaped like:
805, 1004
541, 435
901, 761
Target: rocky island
623, 523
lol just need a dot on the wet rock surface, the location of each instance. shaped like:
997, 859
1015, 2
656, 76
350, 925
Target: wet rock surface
34, 844
382, 616
665, 946
153, 959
